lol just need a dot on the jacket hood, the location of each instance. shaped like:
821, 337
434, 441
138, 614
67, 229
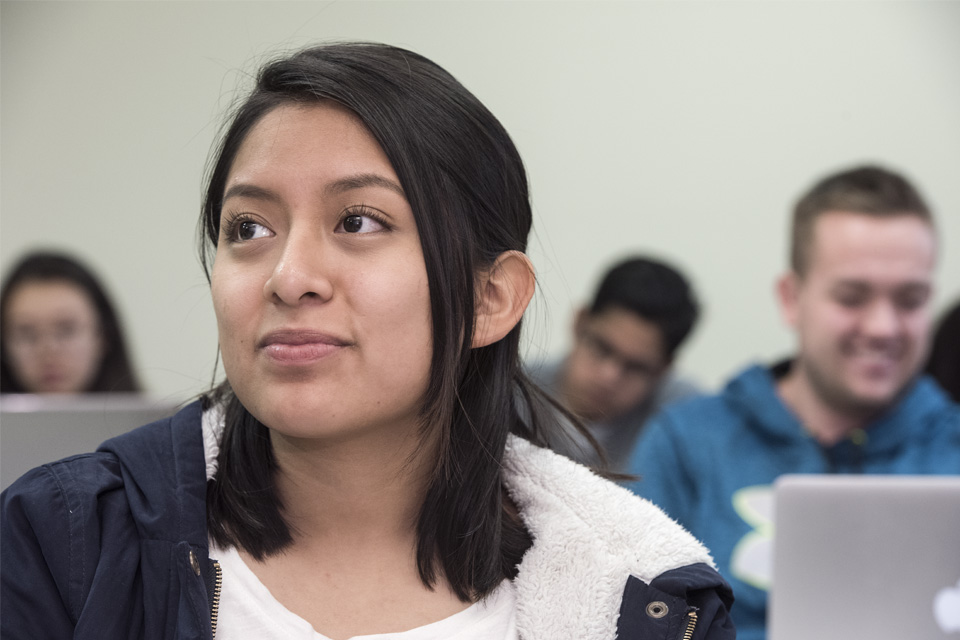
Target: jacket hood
753, 393
160, 468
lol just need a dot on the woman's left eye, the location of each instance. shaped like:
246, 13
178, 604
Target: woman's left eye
361, 223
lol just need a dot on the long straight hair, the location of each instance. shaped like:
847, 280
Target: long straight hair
467, 187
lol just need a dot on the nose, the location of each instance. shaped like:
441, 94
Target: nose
881, 320
608, 371
301, 273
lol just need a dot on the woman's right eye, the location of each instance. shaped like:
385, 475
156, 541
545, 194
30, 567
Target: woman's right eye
245, 229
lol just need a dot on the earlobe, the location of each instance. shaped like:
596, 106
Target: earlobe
503, 293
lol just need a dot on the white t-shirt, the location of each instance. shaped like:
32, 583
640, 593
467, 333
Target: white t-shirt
248, 611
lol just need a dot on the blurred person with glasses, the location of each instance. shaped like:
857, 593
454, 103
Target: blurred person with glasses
59, 331
619, 371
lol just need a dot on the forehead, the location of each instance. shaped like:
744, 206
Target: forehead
39, 300
319, 141
862, 247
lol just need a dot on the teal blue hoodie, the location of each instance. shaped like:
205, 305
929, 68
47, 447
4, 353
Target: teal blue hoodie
710, 462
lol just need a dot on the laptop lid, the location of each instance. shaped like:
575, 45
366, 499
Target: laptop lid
36, 429
866, 557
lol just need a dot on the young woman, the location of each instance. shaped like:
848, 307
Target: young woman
372, 468
59, 331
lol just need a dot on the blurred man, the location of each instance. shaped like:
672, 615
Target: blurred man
851, 400
618, 373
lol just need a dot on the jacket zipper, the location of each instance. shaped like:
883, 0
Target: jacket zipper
690, 625
215, 603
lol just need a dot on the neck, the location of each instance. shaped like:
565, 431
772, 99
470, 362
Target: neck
828, 424
357, 492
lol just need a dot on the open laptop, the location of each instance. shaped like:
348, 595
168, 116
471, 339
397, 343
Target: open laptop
36, 429
866, 557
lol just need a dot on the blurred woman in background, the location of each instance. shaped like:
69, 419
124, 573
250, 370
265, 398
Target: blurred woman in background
59, 331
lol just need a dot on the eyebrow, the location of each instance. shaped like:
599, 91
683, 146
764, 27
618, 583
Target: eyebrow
251, 191
350, 183
845, 286
856, 282
362, 181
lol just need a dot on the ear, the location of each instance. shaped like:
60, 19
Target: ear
580, 322
788, 292
503, 293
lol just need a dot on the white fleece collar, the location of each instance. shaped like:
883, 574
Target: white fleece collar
589, 534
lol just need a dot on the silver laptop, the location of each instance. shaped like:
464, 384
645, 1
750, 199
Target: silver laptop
866, 557
38, 429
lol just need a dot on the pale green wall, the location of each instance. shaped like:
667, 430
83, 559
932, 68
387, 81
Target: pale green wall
681, 128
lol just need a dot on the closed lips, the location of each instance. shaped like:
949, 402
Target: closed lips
300, 347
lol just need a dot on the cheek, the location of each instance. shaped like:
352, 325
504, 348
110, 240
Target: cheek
234, 307
397, 311
400, 294
828, 322
22, 364
581, 365
94, 354
635, 390
917, 326
231, 295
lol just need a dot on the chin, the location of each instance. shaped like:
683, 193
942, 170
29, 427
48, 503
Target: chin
290, 419
874, 398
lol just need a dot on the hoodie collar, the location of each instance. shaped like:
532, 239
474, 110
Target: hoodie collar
754, 392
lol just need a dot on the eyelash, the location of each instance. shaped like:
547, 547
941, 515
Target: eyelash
231, 225
233, 221
364, 211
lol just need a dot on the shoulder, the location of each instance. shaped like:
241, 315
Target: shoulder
72, 492
925, 413
50, 491
927, 419
926, 398
732, 405
589, 531
66, 520
676, 388
51, 536
558, 497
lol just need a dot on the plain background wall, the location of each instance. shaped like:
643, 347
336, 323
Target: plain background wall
683, 129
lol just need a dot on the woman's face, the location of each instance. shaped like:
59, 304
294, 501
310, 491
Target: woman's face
319, 283
52, 342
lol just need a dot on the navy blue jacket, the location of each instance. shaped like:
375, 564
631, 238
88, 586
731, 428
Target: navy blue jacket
113, 545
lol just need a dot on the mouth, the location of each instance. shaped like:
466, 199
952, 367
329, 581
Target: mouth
299, 346
876, 363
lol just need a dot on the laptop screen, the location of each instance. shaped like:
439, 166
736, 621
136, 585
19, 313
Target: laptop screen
866, 557
38, 429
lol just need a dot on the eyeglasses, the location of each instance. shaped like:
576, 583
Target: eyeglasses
62, 336
602, 351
